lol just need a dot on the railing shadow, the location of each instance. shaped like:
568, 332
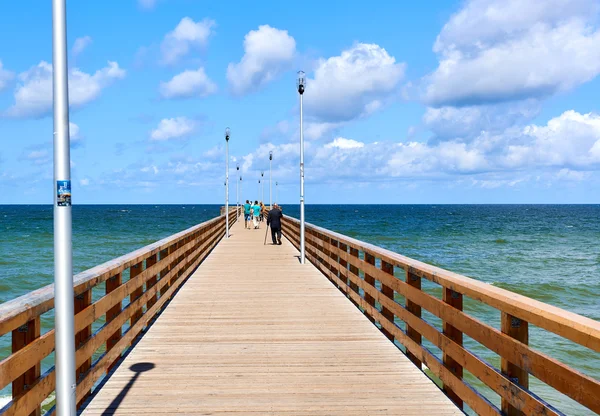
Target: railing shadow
138, 368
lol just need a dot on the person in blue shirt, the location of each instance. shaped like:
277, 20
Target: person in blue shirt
256, 214
247, 214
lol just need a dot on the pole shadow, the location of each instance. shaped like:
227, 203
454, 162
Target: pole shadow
138, 369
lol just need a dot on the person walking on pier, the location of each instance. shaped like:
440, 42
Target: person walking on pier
256, 214
247, 214
274, 220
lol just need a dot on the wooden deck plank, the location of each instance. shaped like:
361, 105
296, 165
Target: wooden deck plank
255, 332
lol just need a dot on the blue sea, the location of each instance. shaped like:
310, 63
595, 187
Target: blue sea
547, 252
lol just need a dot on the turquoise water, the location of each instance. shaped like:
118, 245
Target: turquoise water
547, 252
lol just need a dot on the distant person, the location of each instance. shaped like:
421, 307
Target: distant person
255, 214
274, 220
247, 214
263, 211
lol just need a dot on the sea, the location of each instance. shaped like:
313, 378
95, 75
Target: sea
550, 253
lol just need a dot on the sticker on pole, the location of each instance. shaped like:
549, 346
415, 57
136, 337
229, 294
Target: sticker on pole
63, 193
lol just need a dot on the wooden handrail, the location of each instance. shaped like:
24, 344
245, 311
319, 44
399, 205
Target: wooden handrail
156, 271
351, 265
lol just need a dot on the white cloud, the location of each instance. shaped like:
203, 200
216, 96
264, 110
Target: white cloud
147, 4
80, 45
33, 96
84, 182
342, 143
186, 35
495, 51
173, 128
5, 77
353, 84
267, 53
74, 131
188, 84
466, 123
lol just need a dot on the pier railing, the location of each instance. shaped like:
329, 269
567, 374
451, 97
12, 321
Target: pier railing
387, 287
123, 296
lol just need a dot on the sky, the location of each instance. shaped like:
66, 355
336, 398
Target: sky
473, 101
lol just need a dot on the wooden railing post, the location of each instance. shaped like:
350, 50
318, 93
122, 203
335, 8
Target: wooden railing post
163, 255
414, 281
21, 337
343, 263
354, 270
111, 284
81, 302
455, 300
135, 270
151, 261
369, 258
389, 292
519, 330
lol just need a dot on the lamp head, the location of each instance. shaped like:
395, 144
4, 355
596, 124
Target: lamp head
237, 166
262, 173
227, 134
271, 155
301, 82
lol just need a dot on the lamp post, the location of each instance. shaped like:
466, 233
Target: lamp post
227, 134
258, 189
262, 195
241, 188
237, 193
276, 192
63, 251
270, 180
301, 83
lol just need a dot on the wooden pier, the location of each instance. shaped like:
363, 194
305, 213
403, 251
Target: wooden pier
199, 324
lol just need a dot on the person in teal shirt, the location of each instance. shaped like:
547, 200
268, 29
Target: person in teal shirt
247, 214
256, 214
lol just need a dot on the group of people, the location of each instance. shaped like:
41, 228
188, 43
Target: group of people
256, 213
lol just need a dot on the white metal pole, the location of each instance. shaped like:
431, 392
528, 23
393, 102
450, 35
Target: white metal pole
237, 198
63, 251
227, 188
270, 184
302, 257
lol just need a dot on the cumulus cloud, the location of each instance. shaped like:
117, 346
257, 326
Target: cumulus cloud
188, 84
495, 51
84, 182
5, 77
33, 96
173, 128
80, 45
353, 84
342, 143
187, 35
267, 53
469, 122
566, 147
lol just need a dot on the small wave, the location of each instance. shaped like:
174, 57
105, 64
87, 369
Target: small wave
4, 400
125, 210
569, 226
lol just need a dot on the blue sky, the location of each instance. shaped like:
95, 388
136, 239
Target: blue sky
480, 101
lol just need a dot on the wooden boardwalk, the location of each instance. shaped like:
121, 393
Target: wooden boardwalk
255, 332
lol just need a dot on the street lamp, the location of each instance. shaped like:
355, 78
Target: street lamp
270, 177
227, 135
64, 321
276, 192
258, 189
262, 195
301, 83
237, 193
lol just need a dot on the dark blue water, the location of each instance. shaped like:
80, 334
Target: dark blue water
548, 252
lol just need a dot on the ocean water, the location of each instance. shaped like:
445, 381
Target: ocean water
547, 252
